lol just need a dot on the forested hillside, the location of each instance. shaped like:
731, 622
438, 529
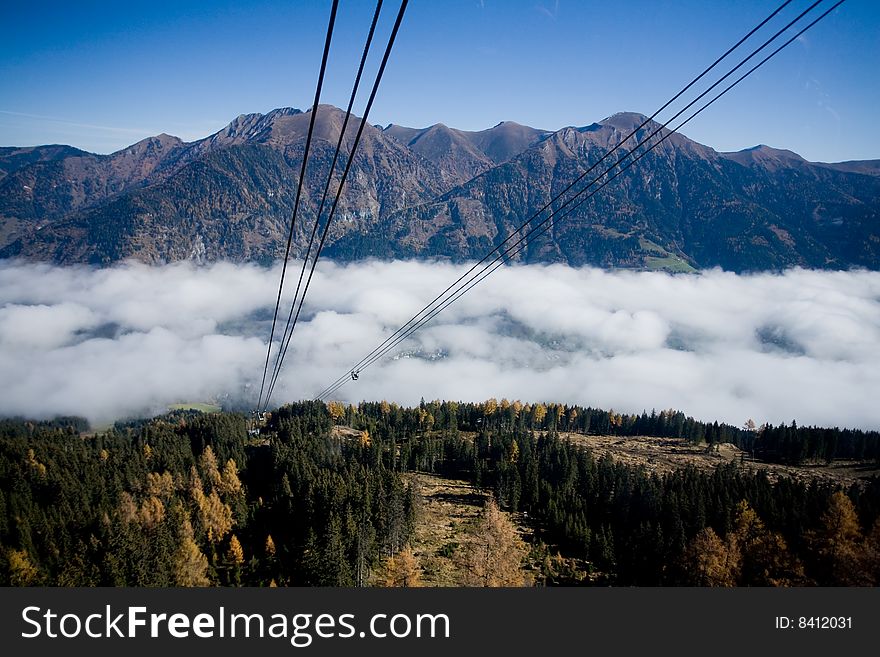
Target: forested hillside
189, 500
319, 497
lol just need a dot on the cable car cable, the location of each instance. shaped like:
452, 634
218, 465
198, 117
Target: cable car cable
299, 187
545, 223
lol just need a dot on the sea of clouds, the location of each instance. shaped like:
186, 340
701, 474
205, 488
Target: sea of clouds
130, 340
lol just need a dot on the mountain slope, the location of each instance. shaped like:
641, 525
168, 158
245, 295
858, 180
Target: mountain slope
438, 192
683, 205
505, 140
460, 154
456, 157
12, 158
232, 195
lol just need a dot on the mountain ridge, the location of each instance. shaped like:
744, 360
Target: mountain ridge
438, 192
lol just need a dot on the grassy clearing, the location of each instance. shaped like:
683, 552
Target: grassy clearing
670, 263
449, 508
202, 407
663, 455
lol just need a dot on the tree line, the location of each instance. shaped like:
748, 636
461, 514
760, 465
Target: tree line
788, 444
320, 497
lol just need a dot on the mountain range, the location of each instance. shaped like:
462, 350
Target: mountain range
437, 192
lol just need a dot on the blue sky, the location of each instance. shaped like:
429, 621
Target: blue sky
101, 75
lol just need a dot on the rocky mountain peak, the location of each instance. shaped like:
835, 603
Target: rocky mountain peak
627, 121
766, 157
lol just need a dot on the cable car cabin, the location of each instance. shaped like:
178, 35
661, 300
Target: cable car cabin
257, 422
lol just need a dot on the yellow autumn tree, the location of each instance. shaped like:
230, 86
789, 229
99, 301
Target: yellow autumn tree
494, 552
190, 565
402, 570
195, 484
234, 559
713, 562
215, 517
230, 484
766, 559
270, 547
208, 467
540, 412
840, 545
151, 513
234, 553
21, 571
513, 456
35, 465
336, 410
160, 485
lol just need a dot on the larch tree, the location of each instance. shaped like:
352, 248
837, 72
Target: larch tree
766, 559
540, 412
160, 485
839, 544
21, 571
494, 553
234, 560
209, 468
713, 562
190, 565
127, 510
336, 410
152, 512
402, 570
230, 484
215, 517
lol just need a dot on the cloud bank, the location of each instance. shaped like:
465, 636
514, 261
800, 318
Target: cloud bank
129, 341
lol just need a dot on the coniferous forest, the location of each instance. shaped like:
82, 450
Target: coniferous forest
321, 495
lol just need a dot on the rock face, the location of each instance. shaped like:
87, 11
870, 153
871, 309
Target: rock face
438, 192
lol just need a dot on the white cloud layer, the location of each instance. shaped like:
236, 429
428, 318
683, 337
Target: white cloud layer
130, 340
